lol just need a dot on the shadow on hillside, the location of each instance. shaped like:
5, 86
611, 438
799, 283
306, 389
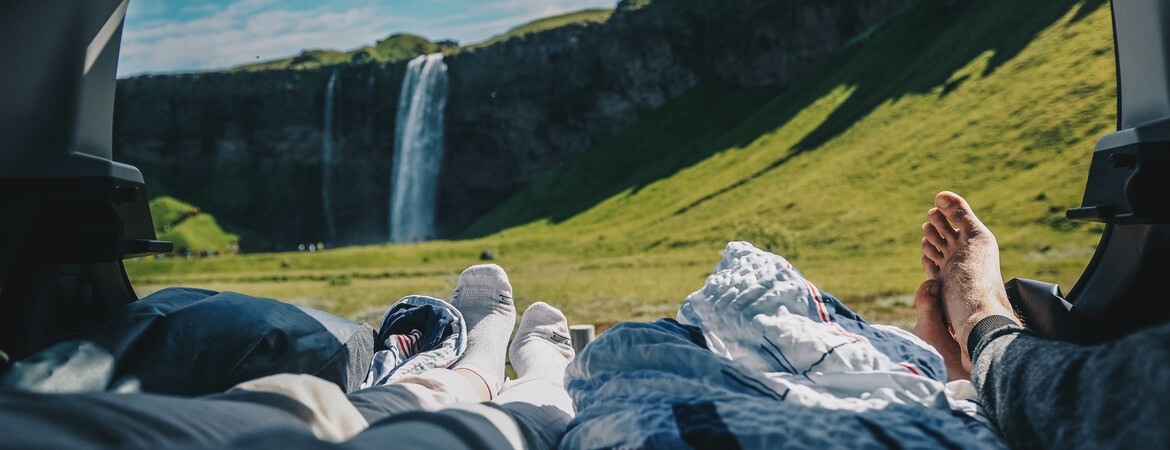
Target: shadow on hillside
933, 38
705, 120
912, 54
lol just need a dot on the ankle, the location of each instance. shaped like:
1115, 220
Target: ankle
478, 382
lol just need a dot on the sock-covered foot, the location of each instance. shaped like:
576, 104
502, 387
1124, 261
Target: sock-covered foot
484, 297
542, 343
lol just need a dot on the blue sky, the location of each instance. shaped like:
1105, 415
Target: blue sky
190, 35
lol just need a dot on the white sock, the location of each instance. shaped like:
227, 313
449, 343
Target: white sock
484, 297
542, 344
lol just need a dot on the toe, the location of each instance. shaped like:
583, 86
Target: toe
485, 282
930, 325
932, 270
958, 211
930, 234
541, 313
929, 250
941, 226
926, 304
484, 273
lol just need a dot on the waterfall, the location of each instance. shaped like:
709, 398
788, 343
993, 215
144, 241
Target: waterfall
418, 149
327, 137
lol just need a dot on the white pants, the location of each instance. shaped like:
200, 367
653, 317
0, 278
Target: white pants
533, 410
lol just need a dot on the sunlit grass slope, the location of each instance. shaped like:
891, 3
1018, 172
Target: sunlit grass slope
547, 23
188, 228
1000, 101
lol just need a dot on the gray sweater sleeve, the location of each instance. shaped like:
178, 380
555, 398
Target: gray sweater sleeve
1044, 394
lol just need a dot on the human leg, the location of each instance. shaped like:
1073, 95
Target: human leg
484, 298
431, 390
539, 353
964, 259
31, 420
529, 412
537, 399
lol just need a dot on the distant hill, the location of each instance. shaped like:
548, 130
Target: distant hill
548, 23
189, 228
397, 47
404, 47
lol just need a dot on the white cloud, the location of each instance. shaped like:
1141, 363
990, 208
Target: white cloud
243, 31
536, 9
271, 29
196, 9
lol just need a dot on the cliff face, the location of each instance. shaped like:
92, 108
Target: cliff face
248, 145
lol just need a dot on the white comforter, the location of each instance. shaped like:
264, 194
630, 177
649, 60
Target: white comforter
761, 358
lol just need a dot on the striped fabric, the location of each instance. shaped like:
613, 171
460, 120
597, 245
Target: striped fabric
406, 344
417, 333
761, 358
399, 348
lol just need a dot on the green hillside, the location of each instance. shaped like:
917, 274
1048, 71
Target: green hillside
167, 210
999, 100
397, 47
548, 23
188, 228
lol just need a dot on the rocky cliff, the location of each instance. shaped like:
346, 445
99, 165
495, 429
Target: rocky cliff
247, 146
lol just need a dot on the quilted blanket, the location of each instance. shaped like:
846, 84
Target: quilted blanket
762, 358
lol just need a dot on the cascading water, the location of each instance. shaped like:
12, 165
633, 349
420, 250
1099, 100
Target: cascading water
327, 137
418, 149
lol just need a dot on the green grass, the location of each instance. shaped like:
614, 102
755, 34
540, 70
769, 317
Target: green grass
1000, 101
397, 47
166, 210
188, 228
548, 23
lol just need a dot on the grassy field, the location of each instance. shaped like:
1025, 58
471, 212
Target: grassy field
547, 23
1000, 101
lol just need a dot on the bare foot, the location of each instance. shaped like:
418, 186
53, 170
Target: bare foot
964, 258
932, 327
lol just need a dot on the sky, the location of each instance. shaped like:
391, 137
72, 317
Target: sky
194, 35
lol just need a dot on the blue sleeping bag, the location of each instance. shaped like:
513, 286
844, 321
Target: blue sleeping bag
191, 342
